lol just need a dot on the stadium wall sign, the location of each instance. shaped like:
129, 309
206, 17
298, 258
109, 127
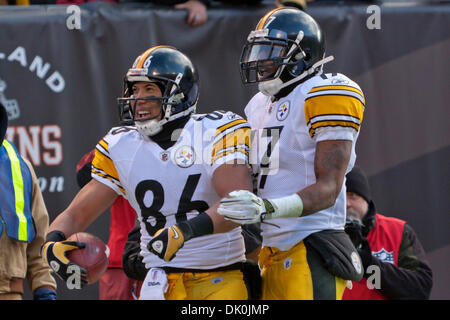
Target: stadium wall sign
54, 81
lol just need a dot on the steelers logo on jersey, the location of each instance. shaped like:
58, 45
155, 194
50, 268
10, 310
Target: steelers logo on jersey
283, 111
356, 261
184, 156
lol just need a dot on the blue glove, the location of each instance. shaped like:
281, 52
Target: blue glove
44, 294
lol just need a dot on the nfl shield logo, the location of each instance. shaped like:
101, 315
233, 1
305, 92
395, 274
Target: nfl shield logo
164, 156
383, 255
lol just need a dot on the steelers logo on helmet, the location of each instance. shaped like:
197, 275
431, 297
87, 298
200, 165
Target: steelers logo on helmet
286, 46
174, 75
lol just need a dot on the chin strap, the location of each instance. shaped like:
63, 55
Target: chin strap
272, 87
150, 127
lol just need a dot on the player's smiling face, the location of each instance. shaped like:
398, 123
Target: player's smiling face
146, 109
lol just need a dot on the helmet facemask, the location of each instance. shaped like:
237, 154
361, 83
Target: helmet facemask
172, 97
274, 60
267, 53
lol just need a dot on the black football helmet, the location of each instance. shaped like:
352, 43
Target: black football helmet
175, 75
286, 46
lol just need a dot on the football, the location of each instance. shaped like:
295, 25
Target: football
94, 257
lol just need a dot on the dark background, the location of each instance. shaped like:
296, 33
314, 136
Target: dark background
403, 69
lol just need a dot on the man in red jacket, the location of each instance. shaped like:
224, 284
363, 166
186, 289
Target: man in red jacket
392, 255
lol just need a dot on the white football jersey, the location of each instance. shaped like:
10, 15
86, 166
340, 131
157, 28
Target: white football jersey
172, 185
325, 107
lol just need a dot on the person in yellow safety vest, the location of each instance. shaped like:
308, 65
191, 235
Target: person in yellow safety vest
23, 225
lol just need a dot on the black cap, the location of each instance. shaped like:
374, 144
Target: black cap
3, 122
357, 183
299, 4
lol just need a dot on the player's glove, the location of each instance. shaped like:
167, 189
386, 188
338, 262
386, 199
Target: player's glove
166, 242
244, 207
54, 251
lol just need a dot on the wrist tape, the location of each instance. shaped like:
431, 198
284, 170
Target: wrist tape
290, 206
55, 236
199, 226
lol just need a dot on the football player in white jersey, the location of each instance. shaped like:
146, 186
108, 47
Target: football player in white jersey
307, 123
173, 166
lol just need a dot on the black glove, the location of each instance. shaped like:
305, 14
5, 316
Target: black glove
365, 253
167, 241
132, 263
54, 251
354, 230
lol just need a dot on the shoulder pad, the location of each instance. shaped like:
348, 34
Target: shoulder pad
117, 133
334, 83
218, 119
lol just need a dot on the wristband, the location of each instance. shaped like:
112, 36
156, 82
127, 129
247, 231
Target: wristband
290, 206
199, 226
55, 236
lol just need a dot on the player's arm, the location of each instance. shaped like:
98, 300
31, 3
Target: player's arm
229, 158
227, 178
333, 115
92, 200
330, 163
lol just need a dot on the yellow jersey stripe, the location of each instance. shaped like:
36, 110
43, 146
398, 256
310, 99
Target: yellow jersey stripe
102, 151
104, 144
105, 176
229, 125
337, 93
223, 154
333, 105
233, 148
237, 137
105, 164
336, 87
321, 124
